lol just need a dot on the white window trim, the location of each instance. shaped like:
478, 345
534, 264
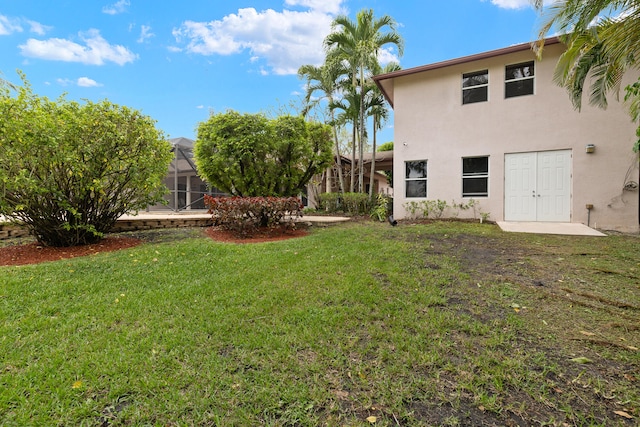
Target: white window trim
425, 179
519, 79
475, 86
476, 175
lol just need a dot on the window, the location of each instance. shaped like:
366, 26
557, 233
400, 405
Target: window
475, 177
475, 87
518, 80
416, 178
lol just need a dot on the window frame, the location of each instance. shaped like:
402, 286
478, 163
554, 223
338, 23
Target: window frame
470, 88
475, 175
508, 81
408, 179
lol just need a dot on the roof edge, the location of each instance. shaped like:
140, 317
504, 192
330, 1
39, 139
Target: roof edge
463, 59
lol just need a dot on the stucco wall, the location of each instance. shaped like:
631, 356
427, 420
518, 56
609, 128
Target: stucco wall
432, 124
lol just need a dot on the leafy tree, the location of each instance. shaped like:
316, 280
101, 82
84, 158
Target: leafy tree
387, 146
69, 170
603, 42
249, 155
358, 44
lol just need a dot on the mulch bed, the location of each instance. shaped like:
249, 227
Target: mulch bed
34, 253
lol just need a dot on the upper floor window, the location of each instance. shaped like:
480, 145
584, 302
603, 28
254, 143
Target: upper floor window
518, 79
475, 87
475, 176
416, 178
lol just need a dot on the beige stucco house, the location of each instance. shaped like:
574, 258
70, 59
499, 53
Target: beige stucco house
493, 127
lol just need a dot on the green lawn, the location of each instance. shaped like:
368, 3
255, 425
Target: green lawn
448, 323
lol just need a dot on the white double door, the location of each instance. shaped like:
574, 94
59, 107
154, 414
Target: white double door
538, 186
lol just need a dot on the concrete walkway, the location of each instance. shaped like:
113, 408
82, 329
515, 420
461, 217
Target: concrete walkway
200, 214
566, 228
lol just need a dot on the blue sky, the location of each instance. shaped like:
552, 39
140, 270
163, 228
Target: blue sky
178, 61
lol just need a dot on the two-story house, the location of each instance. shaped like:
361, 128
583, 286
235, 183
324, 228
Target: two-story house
495, 128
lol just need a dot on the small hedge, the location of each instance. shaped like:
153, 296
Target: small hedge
244, 216
350, 203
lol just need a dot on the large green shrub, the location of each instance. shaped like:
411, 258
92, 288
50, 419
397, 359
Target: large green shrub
69, 170
250, 155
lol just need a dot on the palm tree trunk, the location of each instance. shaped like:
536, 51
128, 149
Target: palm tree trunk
338, 156
353, 159
361, 142
373, 157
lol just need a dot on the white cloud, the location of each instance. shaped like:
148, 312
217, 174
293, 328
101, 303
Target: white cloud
387, 55
116, 8
9, 26
333, 7
145, 33
38, 28
512, 4
96, 50
82, 82
87, 82
14, 25
64, 82
284, 40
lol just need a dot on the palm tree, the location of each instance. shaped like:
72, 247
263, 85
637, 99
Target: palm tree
326, 80
380, 113
359, 43
599, 47
349, 103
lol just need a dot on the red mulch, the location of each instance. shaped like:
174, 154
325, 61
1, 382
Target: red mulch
33, 253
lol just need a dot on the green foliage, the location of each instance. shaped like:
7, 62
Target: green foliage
69, 170
633, 98
251, 155
426, 208
356, 203
350, 203
245, 215
382, 207
387, 146
329, 202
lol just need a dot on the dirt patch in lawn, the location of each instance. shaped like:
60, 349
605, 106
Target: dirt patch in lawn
556, 287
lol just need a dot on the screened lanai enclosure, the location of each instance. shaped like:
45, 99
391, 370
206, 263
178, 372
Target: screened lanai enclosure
186, 188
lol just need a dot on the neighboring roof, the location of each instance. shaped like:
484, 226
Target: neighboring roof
384, 160
182, 142
385, 81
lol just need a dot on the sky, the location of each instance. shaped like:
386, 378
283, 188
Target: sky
178, 62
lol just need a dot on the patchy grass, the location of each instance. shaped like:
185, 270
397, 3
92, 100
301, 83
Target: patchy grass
443, 323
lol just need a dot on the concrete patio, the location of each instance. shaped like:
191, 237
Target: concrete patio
565, 228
